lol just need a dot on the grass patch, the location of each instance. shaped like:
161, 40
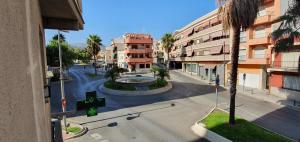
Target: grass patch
117, 86
242, 131
74, 129
158, 84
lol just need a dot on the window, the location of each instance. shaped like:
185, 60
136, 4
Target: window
147, 46
259, 52
142, 66
260, 32
141, 55
242, 54
291, 82
243, 37
262, 11
134, 46
147, 65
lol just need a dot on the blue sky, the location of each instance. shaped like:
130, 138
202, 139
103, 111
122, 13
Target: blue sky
113, 18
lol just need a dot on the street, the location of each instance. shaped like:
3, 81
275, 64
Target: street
154, 119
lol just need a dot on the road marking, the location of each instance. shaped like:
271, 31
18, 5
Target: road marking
104, 141
96, 136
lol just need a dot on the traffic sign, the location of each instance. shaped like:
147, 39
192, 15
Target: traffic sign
90, 104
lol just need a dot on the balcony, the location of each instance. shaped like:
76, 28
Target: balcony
140, 51
259, 41
222, 57
263, 20
200, 33
285, 66
138, 60
254, 61
62, 14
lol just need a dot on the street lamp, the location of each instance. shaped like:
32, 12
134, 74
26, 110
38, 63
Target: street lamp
62, 86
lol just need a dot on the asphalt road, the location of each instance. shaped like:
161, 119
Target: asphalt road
154, 119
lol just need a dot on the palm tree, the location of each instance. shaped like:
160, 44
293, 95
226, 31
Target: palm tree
93, 47
288, 30
237, 15
167, 43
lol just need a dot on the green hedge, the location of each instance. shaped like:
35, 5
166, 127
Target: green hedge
117, 86
159, 83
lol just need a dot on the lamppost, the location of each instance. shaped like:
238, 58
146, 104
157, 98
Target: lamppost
62, 86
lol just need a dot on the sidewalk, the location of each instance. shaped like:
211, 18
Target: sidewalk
254, 93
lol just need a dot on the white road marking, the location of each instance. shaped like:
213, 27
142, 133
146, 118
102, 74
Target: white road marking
96, 136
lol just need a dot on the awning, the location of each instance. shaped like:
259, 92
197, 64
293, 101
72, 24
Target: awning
216, 34
226, 49
199, 28
190, 53
210, 66
216, 50
214, 20
186, 44
191, 32
207, 23
206, 38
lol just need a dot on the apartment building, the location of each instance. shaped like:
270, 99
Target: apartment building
158, 53
202, 48
25, 100
284, 69
138, 51
120, 45
256, 46
108, 56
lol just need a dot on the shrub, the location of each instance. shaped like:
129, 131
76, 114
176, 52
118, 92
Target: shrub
159, 83
117, 86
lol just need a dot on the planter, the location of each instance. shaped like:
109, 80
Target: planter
136, 93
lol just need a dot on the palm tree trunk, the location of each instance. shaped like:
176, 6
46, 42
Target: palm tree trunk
234, 71
95, 65
168, 60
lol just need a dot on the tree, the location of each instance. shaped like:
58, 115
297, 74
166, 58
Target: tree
167, 43
237, 15
162, 73
154, 69
114, 72
93, 47
61, 37
82, 55
52, 52
288, 29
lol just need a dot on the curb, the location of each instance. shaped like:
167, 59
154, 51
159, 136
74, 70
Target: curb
244, 94
264, 128
83, 131
199, 129
136, 93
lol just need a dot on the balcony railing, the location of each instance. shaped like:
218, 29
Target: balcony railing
145, 50
259, 56
293, 65
138, 60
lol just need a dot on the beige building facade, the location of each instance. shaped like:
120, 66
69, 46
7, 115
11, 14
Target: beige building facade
25, 107
202, 48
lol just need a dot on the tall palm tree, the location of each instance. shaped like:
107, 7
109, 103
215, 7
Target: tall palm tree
167, 43
237, 15
288, 29
93, 47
